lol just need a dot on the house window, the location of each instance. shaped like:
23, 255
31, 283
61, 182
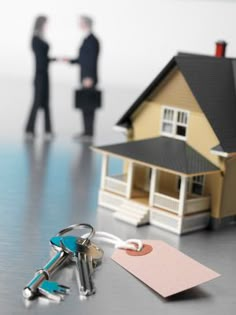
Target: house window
174, 123
195, 184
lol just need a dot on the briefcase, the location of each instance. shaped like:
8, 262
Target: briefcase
88, 99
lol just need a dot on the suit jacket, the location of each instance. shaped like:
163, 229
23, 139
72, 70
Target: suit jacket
40, 49
88, 58
41, 81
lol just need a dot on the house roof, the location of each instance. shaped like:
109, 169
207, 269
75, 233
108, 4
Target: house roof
213, 83
218, 148
170, 154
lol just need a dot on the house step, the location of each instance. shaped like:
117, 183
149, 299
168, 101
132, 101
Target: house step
129, 213
133, 208
130, 219
136, 205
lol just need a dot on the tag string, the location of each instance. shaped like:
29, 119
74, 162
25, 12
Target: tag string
132, 244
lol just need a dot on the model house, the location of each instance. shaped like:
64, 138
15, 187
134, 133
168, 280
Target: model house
179, 161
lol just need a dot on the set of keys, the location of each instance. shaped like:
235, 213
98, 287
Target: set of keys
86, 255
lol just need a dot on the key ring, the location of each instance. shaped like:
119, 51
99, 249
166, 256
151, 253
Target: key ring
79, 226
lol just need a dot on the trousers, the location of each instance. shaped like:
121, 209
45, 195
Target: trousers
40, 102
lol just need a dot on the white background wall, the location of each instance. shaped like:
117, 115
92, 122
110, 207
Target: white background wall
138, 38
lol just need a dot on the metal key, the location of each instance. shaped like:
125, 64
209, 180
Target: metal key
87, 257
67, 248
85, 273
40, 284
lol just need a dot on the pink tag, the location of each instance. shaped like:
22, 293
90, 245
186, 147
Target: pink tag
165, 269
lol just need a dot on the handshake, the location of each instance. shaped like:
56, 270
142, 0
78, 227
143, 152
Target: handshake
87, 82
62, 59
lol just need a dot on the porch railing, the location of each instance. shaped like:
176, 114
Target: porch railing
115, 185
166, 202
172, 204
197, 204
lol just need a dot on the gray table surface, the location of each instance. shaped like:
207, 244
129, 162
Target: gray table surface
45, 187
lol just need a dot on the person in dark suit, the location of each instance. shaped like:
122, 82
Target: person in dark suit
88, 61
41, 80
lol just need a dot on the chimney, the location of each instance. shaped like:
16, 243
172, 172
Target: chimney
220, 48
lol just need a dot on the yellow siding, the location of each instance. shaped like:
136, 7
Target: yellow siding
228, 206
202, 138
174, 91
213, 187
141, 177
147, 123
167, 183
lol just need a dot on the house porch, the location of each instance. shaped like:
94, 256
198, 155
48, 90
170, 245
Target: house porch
160, 184
128, 192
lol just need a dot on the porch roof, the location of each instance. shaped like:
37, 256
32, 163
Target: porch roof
165, 153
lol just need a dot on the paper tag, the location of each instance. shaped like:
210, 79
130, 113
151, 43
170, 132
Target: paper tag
165, 269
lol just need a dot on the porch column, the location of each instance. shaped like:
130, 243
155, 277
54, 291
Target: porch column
153, 185
182, 195
104, 170
130, 179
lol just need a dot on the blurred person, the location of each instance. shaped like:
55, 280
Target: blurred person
40, 49
87, 59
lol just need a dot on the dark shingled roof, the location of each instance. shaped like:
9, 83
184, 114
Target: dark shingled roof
213, 83
218, 148
163, 152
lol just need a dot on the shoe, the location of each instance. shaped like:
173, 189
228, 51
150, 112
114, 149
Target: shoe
87, 138
29, 136
83, 137
48, 136
78, 136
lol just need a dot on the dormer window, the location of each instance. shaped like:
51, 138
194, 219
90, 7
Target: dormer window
174, 122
